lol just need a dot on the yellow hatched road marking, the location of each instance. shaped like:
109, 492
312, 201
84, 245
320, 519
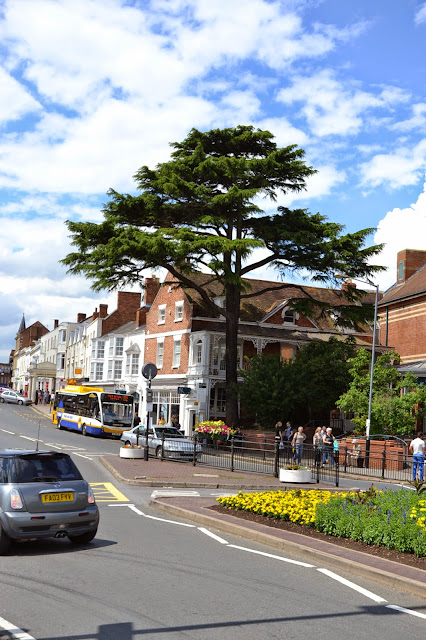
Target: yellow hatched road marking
106, 492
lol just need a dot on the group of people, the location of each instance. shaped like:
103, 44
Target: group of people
326, 446
42, 397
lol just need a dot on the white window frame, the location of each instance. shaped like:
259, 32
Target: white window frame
179, 311
177, 346
160, 353
161, 314
119, 344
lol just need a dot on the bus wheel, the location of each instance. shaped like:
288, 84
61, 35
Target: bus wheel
59, 424
83, 430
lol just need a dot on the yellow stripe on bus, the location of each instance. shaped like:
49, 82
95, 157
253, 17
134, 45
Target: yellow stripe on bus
106, 492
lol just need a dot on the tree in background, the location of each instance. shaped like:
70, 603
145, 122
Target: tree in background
397, 401
300, 389
200, 211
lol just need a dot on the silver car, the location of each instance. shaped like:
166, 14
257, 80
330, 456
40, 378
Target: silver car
175, 444
42, 495
14, 397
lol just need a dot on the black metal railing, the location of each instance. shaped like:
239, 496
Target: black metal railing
268, 457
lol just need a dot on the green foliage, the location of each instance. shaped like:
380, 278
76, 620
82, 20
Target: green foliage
381, 518
308, 386
397, 399
199, 212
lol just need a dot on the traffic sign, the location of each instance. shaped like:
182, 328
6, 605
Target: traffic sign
183, 390
149, 370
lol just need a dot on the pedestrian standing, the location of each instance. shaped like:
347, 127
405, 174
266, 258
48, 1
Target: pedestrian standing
279, 434
328, 442
288, 437
417, 447
297, 443
136, 420
318, 444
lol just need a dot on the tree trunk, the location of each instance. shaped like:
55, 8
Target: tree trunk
233, 307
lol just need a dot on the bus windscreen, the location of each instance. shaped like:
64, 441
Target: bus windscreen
117, 409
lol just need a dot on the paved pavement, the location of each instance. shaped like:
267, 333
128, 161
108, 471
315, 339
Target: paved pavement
183, 474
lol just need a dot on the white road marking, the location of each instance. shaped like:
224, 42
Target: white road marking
15, 631
28, 438
81, 455
352, 585
212, 535
172, 494
145, 515
409, 611
271, 555
6, 431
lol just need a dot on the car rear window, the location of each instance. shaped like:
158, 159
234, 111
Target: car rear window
38, 467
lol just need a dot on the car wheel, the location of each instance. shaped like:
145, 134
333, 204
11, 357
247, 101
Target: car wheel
83, 538
159, 452
1, 399
4, 541
83, 430
20, 402
127, 443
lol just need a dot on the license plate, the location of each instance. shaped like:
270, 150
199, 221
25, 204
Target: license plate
57, 497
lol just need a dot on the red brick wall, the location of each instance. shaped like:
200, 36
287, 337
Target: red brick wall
406, 329
168, 295
413, 260
128, 304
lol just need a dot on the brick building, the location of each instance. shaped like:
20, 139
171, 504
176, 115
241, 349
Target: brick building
187, 343
402, 312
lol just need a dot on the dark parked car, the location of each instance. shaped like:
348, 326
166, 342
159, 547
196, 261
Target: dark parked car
42, 495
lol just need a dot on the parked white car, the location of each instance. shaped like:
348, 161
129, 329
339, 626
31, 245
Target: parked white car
176, 445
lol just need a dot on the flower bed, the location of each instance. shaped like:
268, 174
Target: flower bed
395, 520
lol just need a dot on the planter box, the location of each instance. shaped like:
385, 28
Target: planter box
131, 453
290, 475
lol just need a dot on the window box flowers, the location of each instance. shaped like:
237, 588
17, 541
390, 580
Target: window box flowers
131, 451
295, 473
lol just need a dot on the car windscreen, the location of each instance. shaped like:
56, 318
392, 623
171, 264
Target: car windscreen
44, 467
169, 432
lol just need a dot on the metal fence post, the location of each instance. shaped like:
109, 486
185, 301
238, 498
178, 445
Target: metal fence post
194, 452
345, 464
383, 462
337, 468
162, 446
276, 456
232, 453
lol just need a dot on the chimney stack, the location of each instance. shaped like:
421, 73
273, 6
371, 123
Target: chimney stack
152, 287
81, 317
103, 310
55, 324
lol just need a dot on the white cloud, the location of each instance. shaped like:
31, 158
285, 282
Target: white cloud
400, 229
400, 168
15, 100
333, 108
420, 16
417, 121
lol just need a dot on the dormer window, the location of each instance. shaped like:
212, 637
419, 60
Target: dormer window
289, 315
219, 301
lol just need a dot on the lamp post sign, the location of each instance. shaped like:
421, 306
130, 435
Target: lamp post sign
149, 371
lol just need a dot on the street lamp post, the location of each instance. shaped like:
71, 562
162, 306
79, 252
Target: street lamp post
370, 395
373, 353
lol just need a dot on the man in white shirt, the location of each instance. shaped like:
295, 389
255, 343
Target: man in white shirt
417, 446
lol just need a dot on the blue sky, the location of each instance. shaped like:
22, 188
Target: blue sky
90, 90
